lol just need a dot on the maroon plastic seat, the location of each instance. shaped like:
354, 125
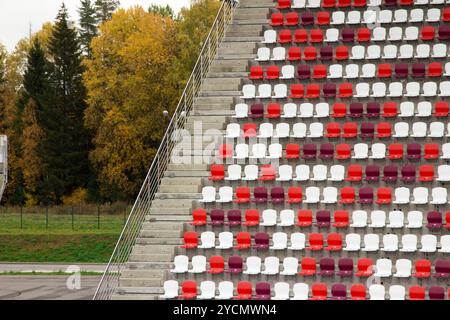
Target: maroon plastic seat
408, 173
262, 290
436, 293
323, 218
413, 151
309, 151
418, 70
365, 195
338, 291
372, 173
434, 219
326, 267
348, 35
277, 195
326, 151
390, 3
235, 265
367, 130
257, 111
356, 110
345, 266
326, 53
390, 173
307, 18
261, 240
260, 194
442, 269
373, 109
217, 217
329, 90
303, 72
401, 70
444, 32
234, 217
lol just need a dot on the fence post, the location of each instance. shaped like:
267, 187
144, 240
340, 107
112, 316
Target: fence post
46, 217
21, 217
98, 216
73, 222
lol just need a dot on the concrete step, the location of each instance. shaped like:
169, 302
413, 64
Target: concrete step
150, 241
140, 290
187, 167
229, 65
142, 282
162, 226
169, 203
230, 47
150, 258
168, 218
181, 181
222, 84
142, 273
175, 174
133, 297
170, 211
153, 249
180, 188
256, 4
178, 195
160, 233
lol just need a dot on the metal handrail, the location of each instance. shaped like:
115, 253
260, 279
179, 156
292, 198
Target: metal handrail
3, 164
109, 282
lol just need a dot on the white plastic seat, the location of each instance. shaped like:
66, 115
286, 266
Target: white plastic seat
248, 91
330, 195
290, 266
335, 71
258, 151
379, 34
444, 89
403, 268
281, 290
359, 219
270, 36
419, 130
279, 241
358, 53
207, 290
400, 16
289, 110
280, 91
287, 72
331, 35
421, 2
198, 264
401, 130
368, 70
443, 173
396, 219
313, 4
278, 54
352, 242
306, 110
416, 15
378, 151
424, 109
361, 151
406, 109
300, 291
208, 194
337, 18
241, 151
269, 218
383, 268
170, 289
315, 130
433, 15
412, 89
285, 173
447, 70
439, 50
302, 173
234, 172
429, 243
378, 90
373, 52
429, 89
411, 34
374, 3
390, 243
437, 130
271, 266
337, 173
225, 289
371, 242
401, 195
251, 172
385, 16
181, 264
297, 241
322, 110
395, 89
233, 130
414, 219
320, 173
377, 219
263, 54
208, 240
439, 195
299, 130
240, 111
253, 265
264, 91
423, 51
397, 292
225, 240
353, 17
407, 51
445, 151
225, 194
362, 90
409, 243
265, 130
282, 130
445, 244
395, 33
437, 1
369, 17
312, 195
390, 52
275, 151
298, 4
287, 219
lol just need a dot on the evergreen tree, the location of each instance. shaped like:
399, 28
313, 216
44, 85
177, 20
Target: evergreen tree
105, 8
163, 11
65, 143
88, 25
35, 79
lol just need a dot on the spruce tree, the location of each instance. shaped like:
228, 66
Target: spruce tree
88, 25
105, 9
65, 143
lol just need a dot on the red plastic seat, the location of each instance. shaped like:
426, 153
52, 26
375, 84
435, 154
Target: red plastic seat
294, 54
426, 173
199, 217
251, 217
226, 151
316, 36
350, 130
319, 71
395, 151
423, 268
342, 53
308, 267
273, 73
446, 15
341, 219
284, 4
345, 90
295, 195
390, 109
244, 290
344, 3
273, 111
364, 35
242, 195
188, 290
384, 70
358, 291
217, 172
428, 33
323, 18
312, 91
384, 195
216, 265
276, 19
305, 218
431, 151
434, 70
447, 220
416, 293
250, 130
359, 3
328, 3
406, 2
441, 109
334, 242
243, 240
310, 53
268, 173
285, 36
300, 36
339, 110
292, 151
190, 240
354, 173
315, 242
256, 73
365, 267
297, 91
291, 19
384, 130
343, 151
319, 291
347, 195
333, 130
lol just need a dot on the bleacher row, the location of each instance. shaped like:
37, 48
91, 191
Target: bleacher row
273, 212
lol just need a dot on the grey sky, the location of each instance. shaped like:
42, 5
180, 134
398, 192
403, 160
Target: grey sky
17, 15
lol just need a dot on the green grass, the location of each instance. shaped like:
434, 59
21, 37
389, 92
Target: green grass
83, 273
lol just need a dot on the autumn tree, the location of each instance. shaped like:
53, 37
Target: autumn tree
88, 24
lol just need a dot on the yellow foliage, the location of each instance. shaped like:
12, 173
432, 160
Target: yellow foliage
79, 196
